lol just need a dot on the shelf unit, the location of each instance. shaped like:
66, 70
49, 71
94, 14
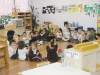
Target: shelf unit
27, 19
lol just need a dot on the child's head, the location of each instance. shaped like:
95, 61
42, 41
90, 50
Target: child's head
11, 32
41, 32
36, 32
21, 44
12, 43
52, 42
68, 29
82, 32
24, 34
69, 46
75, 30
59, 30
31, 34
34, 46
46, 25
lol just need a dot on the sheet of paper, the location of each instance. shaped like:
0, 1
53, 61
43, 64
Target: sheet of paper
72, 54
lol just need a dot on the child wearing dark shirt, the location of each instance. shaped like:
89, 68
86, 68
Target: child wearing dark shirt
34, 54
51, 51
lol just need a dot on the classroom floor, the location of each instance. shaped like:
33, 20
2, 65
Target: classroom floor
18, 66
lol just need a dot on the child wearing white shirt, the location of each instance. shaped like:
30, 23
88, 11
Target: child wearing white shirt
12, 50
25, 38
59, 34
22, 51
67, 35
75, 36
82, 36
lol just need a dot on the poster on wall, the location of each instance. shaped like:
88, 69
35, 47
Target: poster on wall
98, 24
80, 8
90, 10
61, 9
72, 8
99, 9
48, 10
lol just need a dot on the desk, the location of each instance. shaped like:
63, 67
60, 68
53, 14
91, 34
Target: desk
54, 69
5, 49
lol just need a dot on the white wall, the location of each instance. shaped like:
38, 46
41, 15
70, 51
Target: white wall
59, 18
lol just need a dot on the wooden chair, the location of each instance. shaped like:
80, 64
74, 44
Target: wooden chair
43, 63
3, 41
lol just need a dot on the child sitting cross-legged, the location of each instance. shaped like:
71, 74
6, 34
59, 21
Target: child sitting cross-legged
22, 51
13, 50
34, 54
52, 51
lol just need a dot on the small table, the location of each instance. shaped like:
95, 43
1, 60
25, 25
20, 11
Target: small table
55, 69
5, 49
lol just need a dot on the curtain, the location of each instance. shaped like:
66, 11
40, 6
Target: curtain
7, 5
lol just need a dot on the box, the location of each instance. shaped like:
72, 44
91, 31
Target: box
82, 59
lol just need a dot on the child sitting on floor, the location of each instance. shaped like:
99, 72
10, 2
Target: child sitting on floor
41, 37
22, 51
34, 54
13, 50
82, 37
75, 36
26, 38
67, 35
59, 34
51, 51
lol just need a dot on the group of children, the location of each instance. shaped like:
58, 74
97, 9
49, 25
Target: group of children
19, 49
75, 35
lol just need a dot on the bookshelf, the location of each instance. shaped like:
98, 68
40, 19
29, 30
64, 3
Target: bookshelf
27, 19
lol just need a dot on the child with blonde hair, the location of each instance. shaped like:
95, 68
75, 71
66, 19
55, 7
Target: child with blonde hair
34, 54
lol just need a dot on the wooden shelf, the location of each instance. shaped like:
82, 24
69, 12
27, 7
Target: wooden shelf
27, 19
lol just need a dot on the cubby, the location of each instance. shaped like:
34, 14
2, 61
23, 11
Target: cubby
27, 19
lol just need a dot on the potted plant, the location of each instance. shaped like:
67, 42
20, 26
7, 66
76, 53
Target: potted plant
34, 17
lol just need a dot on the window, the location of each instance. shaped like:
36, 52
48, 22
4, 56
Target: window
22, 5
7, 5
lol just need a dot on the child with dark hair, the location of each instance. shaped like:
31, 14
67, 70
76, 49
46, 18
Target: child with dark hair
82, 37
75, 36
9, 37
51, 51
59, 34
69, 46
32, 38
11, 32
41, 39
22, 51
34, 54
13, 50
67, 35
25, 38
16, 37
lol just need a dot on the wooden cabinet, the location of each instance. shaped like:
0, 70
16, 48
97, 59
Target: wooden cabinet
27, 19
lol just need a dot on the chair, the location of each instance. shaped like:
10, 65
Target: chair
3, 41
43, 63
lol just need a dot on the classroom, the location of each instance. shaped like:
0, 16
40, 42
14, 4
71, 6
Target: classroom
50, 37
